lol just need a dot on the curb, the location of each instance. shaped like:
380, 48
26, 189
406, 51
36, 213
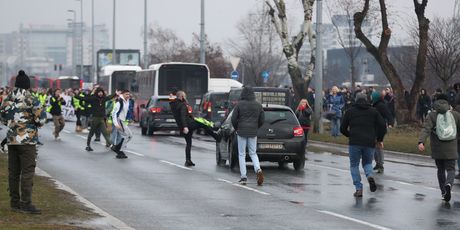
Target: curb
111, 221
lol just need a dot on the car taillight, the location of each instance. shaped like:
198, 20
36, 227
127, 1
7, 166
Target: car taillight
209, 107
190, 109
155, 110
298, 131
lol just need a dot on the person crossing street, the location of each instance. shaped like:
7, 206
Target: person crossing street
123, 133
55, 109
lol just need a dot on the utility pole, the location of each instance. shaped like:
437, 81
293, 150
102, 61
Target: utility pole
93, 54
74, 43
146, 57
318, 125
114, 59
81, 40
202, 36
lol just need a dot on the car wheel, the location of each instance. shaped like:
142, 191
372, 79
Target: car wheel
149, 130
233, 156
299, 164
219, 160
143, 130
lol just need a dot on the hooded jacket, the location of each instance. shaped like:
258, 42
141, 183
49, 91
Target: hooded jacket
248, 114
363, 125
441, 150
381, 107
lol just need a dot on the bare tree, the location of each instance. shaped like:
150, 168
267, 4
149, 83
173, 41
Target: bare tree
218, 66
444, 49
292, 45
257, 51
165, 45
405, 111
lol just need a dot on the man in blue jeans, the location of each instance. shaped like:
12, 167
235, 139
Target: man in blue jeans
247, 118
365, 128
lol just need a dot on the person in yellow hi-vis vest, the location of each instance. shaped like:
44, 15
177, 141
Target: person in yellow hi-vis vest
79, 107
55, 108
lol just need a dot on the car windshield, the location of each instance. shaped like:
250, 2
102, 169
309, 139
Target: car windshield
280, 116
163, 104
219, 100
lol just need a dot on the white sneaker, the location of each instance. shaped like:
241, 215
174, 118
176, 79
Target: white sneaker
85, 131
57, 138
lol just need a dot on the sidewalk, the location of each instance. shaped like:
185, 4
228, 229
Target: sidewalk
390, 156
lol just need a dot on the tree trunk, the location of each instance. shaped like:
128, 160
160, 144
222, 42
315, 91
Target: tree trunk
353, 74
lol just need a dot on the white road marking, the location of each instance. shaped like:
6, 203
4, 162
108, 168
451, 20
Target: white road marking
111, 220
176, 165
354, 220
66, 131
327, 167
245, 187
83, 137
137, 154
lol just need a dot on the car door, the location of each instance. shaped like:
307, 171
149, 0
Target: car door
227, 131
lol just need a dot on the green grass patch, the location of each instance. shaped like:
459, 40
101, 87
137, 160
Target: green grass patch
401, 139
60, 209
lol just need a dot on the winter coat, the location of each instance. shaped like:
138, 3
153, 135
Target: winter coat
97, 103
423, 105
180, 112
363, 125
382, 108
441, 150
248, 114
22, 114
56, 106
336, 103
304, 116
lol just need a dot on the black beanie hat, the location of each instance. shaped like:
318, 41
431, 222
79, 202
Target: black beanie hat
22, 80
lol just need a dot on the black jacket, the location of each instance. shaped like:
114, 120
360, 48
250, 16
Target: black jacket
382, 108
181, 114
56, 109
363, 125
248, 114
304, 116
97, 103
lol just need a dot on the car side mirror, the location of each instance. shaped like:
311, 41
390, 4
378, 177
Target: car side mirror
142, 106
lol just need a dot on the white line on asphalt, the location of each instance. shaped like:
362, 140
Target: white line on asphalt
245, 187
327, 167
111, 220
66, 131
83, 137
173, 164
354, 220
137, 154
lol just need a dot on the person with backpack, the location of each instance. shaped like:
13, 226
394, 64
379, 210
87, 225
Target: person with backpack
303, 114
55, 109
442, 125
123, 133
97, 100
336, 104
381, 107
182, 113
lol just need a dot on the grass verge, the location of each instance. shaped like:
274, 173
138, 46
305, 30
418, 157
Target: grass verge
402, 139
60, 208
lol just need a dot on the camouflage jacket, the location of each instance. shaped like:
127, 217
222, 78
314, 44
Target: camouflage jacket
22, 114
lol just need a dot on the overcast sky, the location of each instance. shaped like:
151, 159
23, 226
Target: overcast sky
183, 16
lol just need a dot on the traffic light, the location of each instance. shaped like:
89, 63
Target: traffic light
55, 67
60, 67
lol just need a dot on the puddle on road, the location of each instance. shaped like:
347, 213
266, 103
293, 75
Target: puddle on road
392, 189
419, 196
296, 202
444, 222
317, 160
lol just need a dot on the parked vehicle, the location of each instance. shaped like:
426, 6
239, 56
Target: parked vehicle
157, 116
212, 106
223, 84
280, 139
264, 95
68, 82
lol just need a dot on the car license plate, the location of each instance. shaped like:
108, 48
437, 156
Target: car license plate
170, 120
270, 146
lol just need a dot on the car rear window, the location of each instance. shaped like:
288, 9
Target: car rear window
163, 104
273, 116
219, 100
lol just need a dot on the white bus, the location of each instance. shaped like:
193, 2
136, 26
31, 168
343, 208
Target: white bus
113, 77
159, 80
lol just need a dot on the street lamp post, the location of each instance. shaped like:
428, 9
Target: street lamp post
318, 124
114, 59
93, 58
202, 36
145, 35
74, 53
81, 39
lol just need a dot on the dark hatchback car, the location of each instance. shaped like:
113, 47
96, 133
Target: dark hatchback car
280, 139
157, 116
213, 106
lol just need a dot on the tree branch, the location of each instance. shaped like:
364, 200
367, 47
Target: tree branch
358, 22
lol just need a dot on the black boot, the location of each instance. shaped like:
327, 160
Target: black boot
189, 163
120, 154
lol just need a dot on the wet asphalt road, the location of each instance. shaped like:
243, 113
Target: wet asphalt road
152, 190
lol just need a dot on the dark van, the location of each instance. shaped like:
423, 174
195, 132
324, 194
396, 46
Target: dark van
212, 106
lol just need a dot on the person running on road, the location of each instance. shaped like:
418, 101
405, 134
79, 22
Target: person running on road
55, 109
182, 113
365, 128
248, 116
443, 147
21, 113
123, 133
97, 100
381, 107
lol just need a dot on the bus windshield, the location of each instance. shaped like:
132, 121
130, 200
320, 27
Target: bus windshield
124, 80
193, 79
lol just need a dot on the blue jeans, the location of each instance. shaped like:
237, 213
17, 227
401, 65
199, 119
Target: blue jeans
251, 143
357, 152
335, 127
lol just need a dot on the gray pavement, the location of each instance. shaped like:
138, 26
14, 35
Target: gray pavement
152, 190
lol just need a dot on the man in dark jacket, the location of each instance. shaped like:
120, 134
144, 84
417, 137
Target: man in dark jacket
379, 104
444, 152
247, 118
365, 128
21, 113
457, 108
182, 112
97, 101
55, 109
